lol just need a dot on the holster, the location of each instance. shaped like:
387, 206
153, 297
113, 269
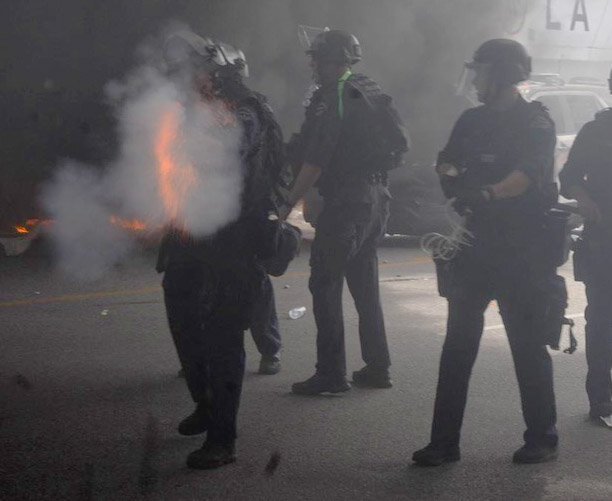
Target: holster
550, 305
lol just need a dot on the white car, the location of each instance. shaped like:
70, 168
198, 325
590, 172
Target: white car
570, 107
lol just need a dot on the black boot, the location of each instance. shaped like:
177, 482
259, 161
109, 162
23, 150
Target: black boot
435, 455
211, 455
270, 365
369, 377
321, 384
533, 453
196, 422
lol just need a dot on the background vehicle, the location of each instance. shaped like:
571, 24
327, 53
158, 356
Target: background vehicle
570, 106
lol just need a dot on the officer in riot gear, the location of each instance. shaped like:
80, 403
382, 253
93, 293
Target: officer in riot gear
498, 165
220, 63
587, 178
212, 285
337, 157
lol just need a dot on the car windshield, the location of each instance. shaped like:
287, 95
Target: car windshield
554, 105
582, 109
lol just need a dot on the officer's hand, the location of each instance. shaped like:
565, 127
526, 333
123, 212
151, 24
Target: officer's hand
451, 185
589, 210
473, 197
284, 211
446, 169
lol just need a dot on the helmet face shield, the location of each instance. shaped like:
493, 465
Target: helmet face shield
306, 35
186, 51
472, 74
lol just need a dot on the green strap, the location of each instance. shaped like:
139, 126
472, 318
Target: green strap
341, 83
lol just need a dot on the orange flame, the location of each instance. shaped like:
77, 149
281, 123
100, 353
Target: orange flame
174, 180
25, 228
128, 224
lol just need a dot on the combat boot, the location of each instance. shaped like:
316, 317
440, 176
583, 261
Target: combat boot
196, 422
212, 455
369, 377
270, 365
321, 384
435, 455
533, 453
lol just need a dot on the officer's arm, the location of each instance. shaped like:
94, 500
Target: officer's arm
572, 176
306, 179
535, 165
448, 158
318, 153
513, 185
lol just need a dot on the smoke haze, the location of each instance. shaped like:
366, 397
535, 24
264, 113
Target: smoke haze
176, 166
59, 56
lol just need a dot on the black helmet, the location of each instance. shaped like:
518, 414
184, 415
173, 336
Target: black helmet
336, 46
511, 63
187, 48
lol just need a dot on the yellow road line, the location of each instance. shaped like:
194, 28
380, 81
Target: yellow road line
416, 260
80, 297
67, 298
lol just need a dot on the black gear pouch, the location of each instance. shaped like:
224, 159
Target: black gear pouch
556, 235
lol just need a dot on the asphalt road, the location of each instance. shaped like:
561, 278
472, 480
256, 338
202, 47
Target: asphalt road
89, 400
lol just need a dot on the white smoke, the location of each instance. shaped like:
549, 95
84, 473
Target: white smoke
202, 191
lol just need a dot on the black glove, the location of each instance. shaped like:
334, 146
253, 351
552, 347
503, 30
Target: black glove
470, 199
451, 185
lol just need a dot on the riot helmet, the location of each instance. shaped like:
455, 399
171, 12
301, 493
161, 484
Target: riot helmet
185, 49
336, 46
509, 61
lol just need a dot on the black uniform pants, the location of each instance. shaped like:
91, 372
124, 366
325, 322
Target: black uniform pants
264, 325
208, 311
467, 301
598, 333
345, 246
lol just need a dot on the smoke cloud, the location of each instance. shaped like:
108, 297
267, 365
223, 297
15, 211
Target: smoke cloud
178, 164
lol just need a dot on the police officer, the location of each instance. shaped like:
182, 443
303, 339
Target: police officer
498, 164
335, 139
587, 177
211, 285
